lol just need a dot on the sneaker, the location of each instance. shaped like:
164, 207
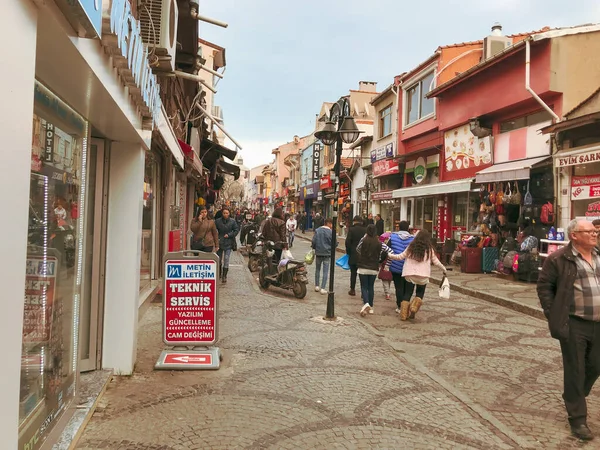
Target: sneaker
323, 291
317, 288
371, 310
365, 308
397, 310
387, 296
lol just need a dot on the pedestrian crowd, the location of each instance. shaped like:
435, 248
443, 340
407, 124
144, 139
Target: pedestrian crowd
568, 285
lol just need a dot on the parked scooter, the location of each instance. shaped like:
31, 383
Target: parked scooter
255, 252
290, 275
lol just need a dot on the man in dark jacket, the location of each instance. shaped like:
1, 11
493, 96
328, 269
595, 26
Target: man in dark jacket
318, 221
355, 234
228, 230
379, 225
399, 241
569, 291
273, 229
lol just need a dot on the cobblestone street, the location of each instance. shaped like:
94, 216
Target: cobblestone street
464, 374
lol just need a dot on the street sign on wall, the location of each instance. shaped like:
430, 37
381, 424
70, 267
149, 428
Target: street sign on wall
190, 301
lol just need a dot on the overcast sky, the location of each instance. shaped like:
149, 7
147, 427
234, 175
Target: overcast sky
285, 57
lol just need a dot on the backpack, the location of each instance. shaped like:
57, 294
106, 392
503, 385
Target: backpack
547, 216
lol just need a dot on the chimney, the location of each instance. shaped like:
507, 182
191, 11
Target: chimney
496, 29
367, 86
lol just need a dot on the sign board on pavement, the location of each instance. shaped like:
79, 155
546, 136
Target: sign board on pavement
190, 295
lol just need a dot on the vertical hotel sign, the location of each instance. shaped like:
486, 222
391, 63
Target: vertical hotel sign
134, 53
316, 156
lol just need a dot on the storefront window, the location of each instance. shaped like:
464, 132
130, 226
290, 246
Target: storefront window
53, 270
147, 221
585, 181
460, 209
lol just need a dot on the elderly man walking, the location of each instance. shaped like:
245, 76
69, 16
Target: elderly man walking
569, 291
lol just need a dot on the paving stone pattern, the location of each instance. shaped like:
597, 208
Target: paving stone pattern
466, 374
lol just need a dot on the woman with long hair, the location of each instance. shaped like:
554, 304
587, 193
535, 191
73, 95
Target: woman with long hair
419, 256
369, 252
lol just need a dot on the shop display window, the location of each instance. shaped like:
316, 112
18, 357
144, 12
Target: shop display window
53, 269
588, 203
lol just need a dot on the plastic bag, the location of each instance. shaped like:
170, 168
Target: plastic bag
310, 257
342, 262
286, 254
444, 291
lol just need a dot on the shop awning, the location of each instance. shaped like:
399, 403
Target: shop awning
509, 171
229, 169
210, 146
447, 187
191, 157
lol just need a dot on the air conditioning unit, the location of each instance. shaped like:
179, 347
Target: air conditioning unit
158, 22
492, 45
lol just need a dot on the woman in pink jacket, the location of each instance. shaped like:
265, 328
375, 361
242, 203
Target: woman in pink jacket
419, 256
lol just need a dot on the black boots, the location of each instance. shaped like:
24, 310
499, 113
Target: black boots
224, 278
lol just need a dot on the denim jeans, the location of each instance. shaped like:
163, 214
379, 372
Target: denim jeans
400, 286
322, 261
224, 258
291, 235
367, 288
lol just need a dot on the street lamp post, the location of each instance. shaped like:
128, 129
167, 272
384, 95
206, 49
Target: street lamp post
346, 131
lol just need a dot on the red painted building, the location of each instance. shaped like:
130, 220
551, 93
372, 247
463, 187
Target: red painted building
473, 124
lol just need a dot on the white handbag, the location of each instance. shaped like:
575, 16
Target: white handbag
444, 291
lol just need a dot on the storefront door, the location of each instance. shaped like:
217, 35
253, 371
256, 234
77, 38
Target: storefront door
95, 251
425, 214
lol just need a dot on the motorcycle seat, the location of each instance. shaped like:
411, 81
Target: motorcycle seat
296, 261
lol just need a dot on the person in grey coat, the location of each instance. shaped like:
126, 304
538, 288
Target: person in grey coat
321, 243
228, 230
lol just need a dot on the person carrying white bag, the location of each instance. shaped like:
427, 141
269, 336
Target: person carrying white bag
419, 256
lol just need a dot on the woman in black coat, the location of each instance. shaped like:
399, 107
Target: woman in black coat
355, 233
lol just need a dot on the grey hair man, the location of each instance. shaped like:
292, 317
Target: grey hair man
569, 293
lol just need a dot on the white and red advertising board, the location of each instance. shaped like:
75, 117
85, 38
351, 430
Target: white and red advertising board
585, 187
190, 299
190, 302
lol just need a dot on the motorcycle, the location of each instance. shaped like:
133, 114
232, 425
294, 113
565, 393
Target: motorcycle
255, 252
290, 275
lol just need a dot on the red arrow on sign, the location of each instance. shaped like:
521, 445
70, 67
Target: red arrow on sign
188, 358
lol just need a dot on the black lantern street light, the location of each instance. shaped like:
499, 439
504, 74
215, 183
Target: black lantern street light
338, 129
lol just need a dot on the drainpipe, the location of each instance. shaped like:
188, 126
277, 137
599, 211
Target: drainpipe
528, 79
194, 15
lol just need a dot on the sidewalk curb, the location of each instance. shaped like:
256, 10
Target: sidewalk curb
496, 299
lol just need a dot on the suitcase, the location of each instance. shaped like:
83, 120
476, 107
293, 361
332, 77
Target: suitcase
489, 257
470, 260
